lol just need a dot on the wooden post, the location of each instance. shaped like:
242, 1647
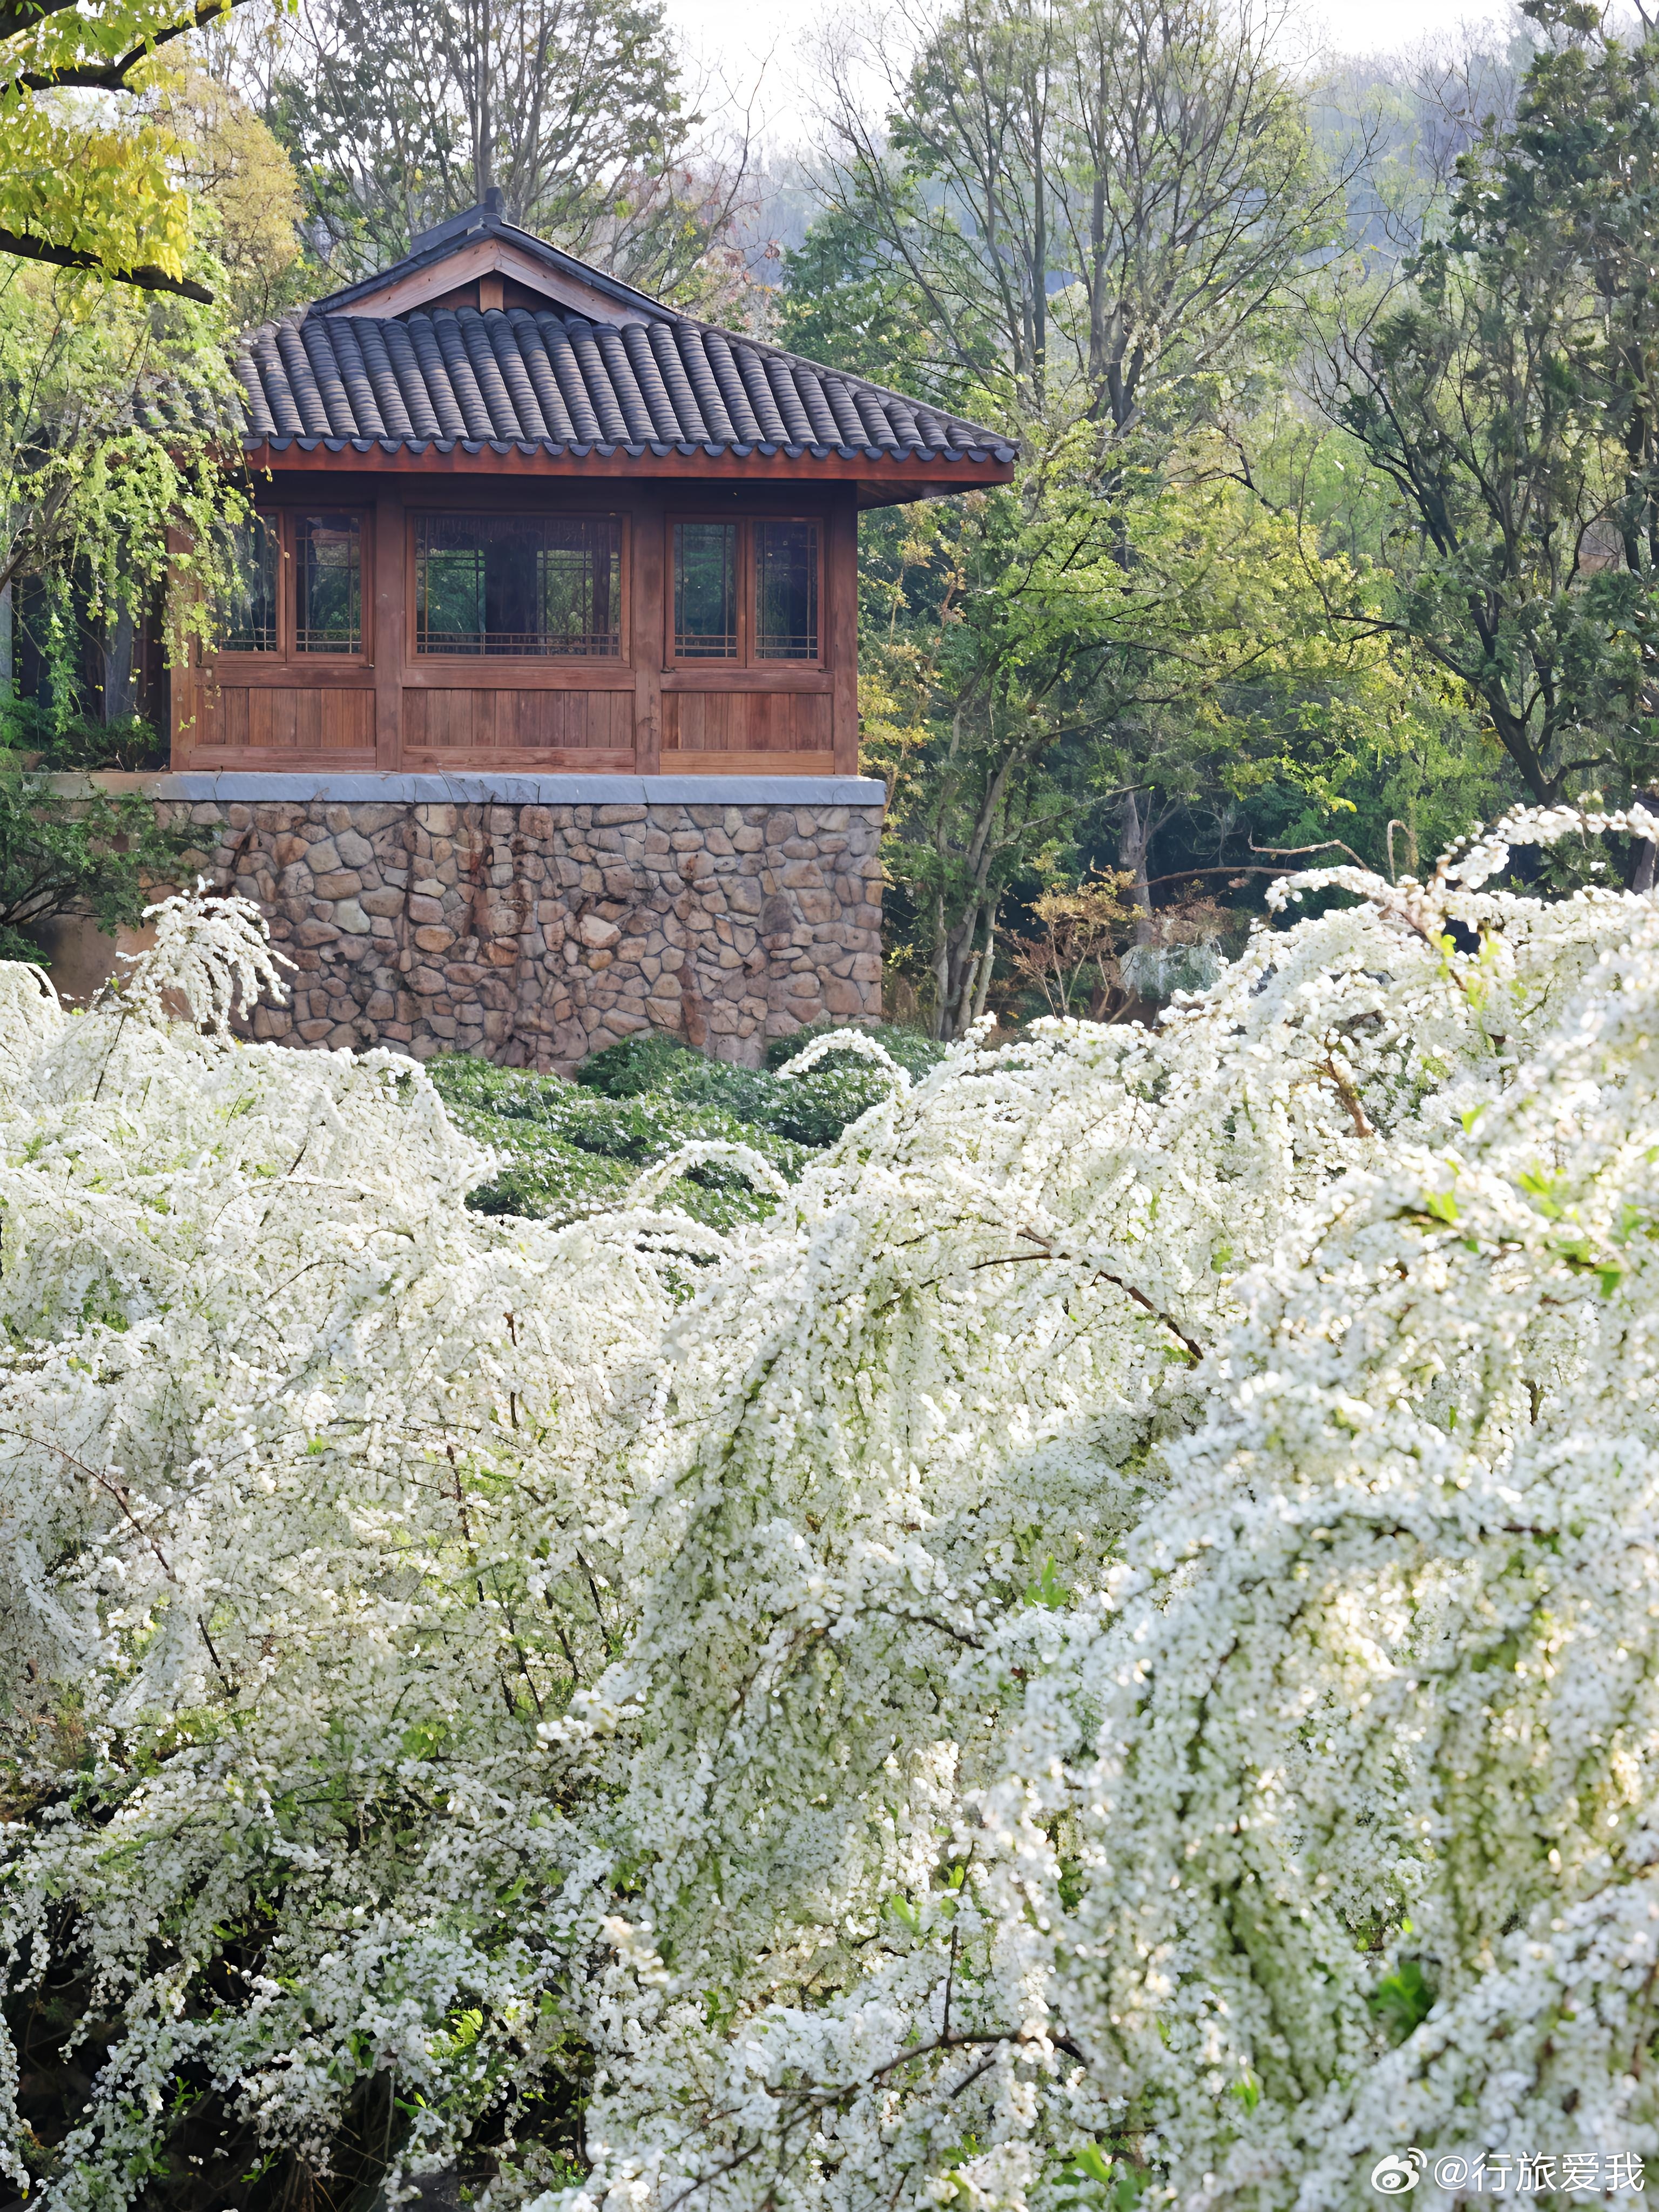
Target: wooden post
644, 632
390, 630
840, 632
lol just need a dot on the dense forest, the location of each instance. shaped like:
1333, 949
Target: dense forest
1333, 384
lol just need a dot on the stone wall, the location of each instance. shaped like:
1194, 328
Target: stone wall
534, 920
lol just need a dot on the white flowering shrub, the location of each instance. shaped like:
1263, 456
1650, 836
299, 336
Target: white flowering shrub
1108, 1652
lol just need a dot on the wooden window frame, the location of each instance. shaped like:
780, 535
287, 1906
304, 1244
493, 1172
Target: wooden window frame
281, 521
745, 656
517, 662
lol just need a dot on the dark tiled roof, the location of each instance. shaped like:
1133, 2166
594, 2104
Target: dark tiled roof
557, 382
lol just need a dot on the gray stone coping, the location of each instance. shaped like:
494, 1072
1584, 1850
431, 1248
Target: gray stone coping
491, 788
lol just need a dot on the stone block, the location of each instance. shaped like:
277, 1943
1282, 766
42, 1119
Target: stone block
538, 932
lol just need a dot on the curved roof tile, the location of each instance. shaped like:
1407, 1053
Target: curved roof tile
555, 336
475, 415
317, 338
501, 379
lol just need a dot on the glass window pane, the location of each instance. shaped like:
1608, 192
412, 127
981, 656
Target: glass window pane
786, 591
250, 618
518, 584
705, 591
329, 609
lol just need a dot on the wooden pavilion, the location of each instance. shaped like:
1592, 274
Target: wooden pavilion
514, 515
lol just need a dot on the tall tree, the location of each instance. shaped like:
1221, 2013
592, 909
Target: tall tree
117, 409
1081, 217
1094, 199
398, 114
1509, 388
1042, 664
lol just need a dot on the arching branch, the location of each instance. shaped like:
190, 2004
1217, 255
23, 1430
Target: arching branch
147, 279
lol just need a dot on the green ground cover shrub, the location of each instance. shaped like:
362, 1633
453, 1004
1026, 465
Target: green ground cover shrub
573, 1147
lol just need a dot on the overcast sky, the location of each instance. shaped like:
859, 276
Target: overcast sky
736, 36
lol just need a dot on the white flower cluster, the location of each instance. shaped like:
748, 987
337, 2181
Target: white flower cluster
1106, 1653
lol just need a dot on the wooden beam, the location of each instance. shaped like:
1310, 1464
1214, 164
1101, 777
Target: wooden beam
877, 483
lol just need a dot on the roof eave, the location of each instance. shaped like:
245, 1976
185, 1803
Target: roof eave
882, 479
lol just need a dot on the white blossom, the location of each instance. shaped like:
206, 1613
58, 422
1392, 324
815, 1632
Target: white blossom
1111, 1646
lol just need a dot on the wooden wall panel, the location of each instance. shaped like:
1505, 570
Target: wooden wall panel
298, 721
517, 721
745, 722
229, 727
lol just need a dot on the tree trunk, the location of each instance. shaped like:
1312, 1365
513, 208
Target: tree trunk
1642, 875
1134, 838
963, 966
